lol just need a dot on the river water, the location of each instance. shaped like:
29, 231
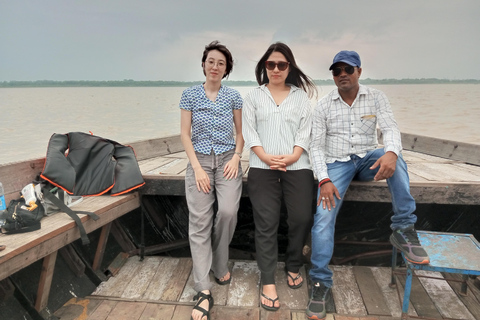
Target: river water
29, 116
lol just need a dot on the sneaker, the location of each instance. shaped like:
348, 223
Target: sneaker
406, 240
316, 305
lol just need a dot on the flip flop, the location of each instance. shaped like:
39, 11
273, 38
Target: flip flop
269, 308
294, 286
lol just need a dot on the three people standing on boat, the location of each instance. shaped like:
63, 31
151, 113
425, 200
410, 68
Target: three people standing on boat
344, 147
276, 129
211, 133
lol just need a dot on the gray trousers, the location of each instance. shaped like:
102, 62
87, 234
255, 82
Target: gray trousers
210, 232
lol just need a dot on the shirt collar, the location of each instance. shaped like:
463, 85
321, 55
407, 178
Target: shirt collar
361, 90
292, 87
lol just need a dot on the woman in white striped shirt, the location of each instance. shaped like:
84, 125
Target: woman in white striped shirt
276, 128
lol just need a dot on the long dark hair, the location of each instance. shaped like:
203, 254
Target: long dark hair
215, 45
295, 76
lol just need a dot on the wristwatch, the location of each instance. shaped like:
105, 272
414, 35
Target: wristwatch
239, 154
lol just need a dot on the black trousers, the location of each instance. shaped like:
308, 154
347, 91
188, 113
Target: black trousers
266, 189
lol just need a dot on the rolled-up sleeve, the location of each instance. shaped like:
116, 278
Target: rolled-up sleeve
318, 141
392, 138
302, 138
249, 124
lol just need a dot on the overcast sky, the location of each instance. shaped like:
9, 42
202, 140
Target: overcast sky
164, 40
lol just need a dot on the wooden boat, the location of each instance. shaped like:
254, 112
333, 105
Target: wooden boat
445, 179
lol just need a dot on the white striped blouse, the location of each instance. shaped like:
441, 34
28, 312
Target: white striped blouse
278, 129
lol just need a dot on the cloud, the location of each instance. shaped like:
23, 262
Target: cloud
164, 40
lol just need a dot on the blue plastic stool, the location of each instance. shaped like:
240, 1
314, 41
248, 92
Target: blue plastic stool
448, 252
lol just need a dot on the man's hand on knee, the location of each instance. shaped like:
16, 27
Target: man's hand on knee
387, 163
328, 193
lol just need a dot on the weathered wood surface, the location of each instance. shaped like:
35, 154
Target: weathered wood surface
58, 230
465, 152
433, 179
147, 289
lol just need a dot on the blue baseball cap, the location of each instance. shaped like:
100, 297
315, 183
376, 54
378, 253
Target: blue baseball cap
349, 57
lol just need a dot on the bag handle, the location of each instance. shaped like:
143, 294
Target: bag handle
61, 205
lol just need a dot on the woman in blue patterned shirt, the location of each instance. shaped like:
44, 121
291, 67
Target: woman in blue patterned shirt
211, 133
276, 128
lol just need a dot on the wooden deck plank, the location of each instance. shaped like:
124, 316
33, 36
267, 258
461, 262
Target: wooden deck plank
350, 285
300, 315
59, 230
470, 300
415, 157
383, 278
291, 298
454, 172
137, 287
244, 288
415, 177
219, 313
443, 148
421, 301
219, 292
127, 310
245, 166
177, 281
177, 166
78, 308
115, 286
467, 170
151, 166
152, 148
426, 171
443, 296
441, 181
159, 282
103, 310
372, 295
281, 314
157, 312
182, 312
181, 155
346, 294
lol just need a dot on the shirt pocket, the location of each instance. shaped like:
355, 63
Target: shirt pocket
368, 124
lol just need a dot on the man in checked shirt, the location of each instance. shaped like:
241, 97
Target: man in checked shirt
344, 147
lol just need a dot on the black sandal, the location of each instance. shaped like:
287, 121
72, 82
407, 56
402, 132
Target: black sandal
269, 308
294, 286
200, 296
224, 282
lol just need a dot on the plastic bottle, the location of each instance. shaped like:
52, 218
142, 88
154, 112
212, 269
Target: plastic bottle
28, 193
3, 205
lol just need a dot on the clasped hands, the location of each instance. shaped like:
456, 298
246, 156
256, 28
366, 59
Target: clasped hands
279, 162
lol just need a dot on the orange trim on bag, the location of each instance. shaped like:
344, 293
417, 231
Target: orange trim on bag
56, 184
123, 192
99, 194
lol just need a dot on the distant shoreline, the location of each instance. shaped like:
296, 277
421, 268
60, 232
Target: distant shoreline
134, 83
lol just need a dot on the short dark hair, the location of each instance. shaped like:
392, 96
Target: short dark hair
215, 45
295, 76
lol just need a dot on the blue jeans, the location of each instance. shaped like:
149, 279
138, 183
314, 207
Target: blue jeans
342, 174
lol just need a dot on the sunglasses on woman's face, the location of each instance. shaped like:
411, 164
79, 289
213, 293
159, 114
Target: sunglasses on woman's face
337, 70
282, 66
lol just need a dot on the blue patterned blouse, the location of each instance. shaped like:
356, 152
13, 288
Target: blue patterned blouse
212, 121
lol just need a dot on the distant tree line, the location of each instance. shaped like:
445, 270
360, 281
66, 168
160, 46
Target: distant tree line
134, 83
